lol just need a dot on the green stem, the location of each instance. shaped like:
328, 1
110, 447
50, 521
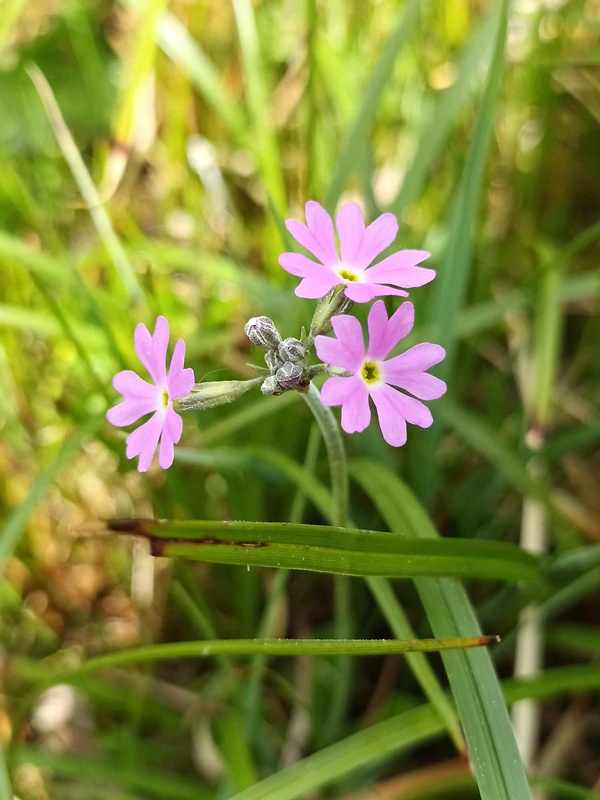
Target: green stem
338, 468
336, 455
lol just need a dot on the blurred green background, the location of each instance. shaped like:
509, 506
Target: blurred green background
197, 128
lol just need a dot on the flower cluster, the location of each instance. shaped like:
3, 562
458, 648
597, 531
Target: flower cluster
358, 372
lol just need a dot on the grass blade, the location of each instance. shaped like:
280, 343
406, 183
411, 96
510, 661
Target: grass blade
152, 783
86, 187
472, 676
436, 129
270, 647
322, 548
176, 42
359, 130
400, 733
258, 102
15, 525
399, 624
453, 277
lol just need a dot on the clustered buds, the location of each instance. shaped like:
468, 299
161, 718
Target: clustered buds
285, 359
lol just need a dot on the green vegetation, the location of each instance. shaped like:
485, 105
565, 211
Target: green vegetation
149, 154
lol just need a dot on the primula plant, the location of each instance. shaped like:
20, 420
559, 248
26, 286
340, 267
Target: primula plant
355, 373
355, 367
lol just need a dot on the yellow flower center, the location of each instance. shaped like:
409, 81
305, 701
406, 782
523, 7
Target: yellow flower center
165, 398
370, 372
346, 275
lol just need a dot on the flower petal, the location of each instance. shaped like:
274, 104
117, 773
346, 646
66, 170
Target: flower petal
299, 265
321, 226
144, 440
421, 384
179, 380
365, 292
152, 350
348, 331
400, 269
417, 359
356, 413
317, 237
391, 405
317, 285
182, 384
130, 385
171, 434
350, 227
131, 410
353, 396
391, 419
394, 410
336, 391
379, 235
331, 351
385, 334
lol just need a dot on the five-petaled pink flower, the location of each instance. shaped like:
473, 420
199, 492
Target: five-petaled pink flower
141, 397
373, 376
359, 245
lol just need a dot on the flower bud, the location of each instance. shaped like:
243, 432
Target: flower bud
329, 306
270, 386
292, 350
262, 332
212, 394
290, 375
273, 361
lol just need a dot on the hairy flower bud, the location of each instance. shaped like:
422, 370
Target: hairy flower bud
273, 361
270, 386
289, 375
212, 394
262, 332
291, 350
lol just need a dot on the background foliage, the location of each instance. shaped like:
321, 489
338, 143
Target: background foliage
201, 125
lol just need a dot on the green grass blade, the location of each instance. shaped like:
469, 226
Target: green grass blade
25, 319
246, 457
87, 188
453, 277
565, 790
381, 589
577, 638
258, 94
493, 447
371, 97
177, 43
339, 551
246, 417
153, 784
138, 70
436, 128
40, 264
472, 676
400, 626
15, 525
269, 647
401, 733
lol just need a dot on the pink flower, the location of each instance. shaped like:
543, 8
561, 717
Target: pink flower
373, 376
141, 397
360, 245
